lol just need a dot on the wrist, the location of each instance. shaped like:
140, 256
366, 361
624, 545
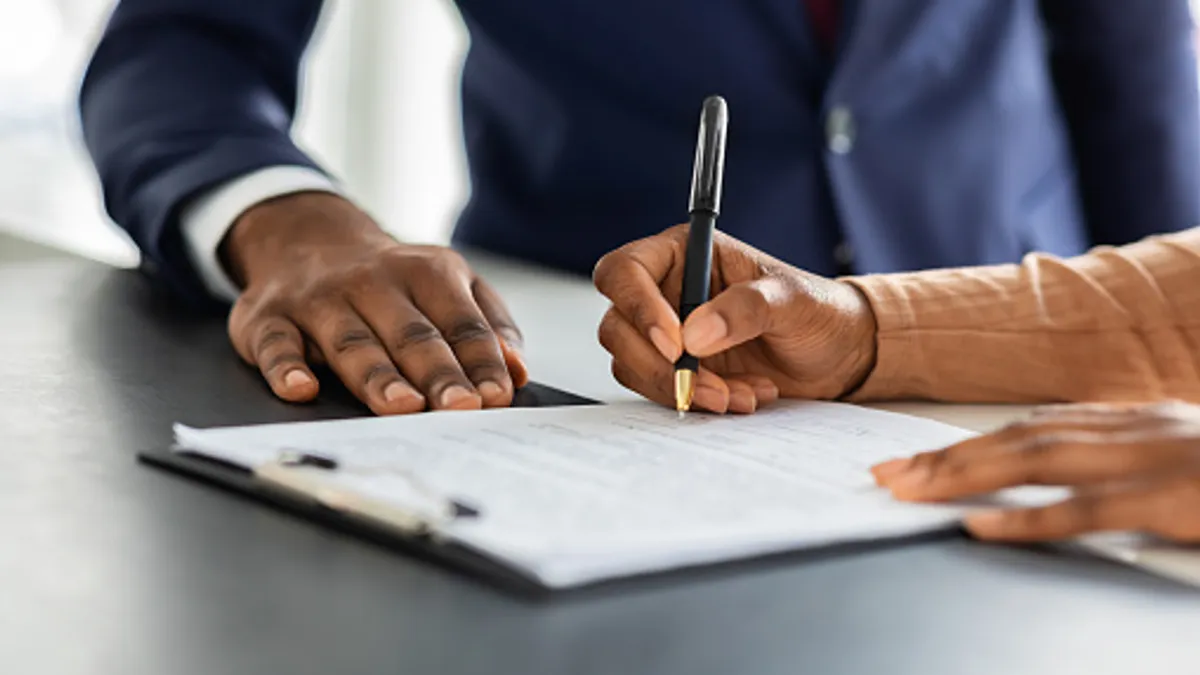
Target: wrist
866, 353
288, 226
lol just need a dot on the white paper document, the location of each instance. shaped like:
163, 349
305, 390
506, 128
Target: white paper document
572, 495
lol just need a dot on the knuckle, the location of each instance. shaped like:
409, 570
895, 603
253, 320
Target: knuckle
430, 261
359, 279
951, 470
377, 370
511, 334
401, 258
482, 371
413, 335
349, 339
1041, 445
611, 270
440, 377
602, 270
607, 332
310, 297
273, 337
451, 259
929, 461
752, 301
467, 330
1015, 431
1030, 465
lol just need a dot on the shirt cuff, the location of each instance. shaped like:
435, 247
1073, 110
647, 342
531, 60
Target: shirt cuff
206, 219
899, 359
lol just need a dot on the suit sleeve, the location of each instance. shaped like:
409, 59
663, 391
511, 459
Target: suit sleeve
1125, 73
183, 95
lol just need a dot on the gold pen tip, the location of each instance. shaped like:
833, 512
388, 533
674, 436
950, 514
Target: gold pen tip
685, 387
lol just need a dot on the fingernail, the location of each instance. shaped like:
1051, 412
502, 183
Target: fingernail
297, 378
396, 391
490, 390
986, 520
711, 399
885, 470
702, 334
665, 346
455, 395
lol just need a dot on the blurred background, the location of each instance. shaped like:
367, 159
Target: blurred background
379, 109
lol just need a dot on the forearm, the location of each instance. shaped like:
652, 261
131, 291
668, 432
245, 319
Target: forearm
183, 95
1115, 324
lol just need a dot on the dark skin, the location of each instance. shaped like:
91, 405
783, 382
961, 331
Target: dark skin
1131, 467
771, 330
410, 328
406, 328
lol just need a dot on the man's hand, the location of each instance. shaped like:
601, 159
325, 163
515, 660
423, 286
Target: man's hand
770, 329
405, 327
1133, 468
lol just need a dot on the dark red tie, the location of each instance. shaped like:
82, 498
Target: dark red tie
824, 20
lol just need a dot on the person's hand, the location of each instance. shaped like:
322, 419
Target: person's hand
770, 330
1132, 467
404, 327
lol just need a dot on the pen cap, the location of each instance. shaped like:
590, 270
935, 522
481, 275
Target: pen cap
709, 169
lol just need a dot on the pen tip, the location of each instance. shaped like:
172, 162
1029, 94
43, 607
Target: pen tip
685, 387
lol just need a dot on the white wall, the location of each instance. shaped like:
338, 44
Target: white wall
380, 108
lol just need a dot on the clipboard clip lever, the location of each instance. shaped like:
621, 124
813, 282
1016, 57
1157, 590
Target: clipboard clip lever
291, 471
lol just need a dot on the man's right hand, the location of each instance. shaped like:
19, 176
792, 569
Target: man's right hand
769, 330
405, 327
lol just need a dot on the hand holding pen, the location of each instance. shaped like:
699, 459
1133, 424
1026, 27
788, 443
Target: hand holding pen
768, 330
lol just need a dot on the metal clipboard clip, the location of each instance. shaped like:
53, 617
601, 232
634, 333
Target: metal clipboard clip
308, 473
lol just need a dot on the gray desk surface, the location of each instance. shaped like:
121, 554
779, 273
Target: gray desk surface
107, 566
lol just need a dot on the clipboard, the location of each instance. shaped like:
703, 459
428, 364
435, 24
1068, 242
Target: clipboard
289, 486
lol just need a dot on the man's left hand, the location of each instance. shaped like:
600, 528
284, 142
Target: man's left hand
1131, 467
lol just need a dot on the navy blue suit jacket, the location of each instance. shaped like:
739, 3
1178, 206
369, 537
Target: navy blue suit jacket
941, 133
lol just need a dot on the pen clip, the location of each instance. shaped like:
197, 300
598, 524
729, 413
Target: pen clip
709, 168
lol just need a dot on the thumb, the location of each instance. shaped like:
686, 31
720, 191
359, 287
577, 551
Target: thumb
738, 314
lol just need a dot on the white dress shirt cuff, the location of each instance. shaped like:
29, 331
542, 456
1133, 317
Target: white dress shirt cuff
206, 219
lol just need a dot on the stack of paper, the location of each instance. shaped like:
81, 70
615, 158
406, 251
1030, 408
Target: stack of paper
573, 495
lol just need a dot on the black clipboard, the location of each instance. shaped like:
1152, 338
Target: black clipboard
244, 483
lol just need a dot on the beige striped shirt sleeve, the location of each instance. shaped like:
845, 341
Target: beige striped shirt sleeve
1116, 324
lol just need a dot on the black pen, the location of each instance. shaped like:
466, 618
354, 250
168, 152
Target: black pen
703, 208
